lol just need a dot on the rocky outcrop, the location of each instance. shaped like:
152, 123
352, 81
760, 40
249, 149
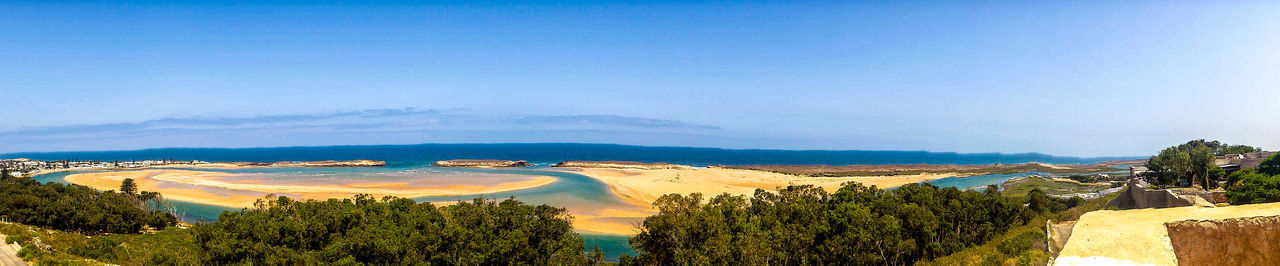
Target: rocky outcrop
1137, 195
472, 163
620, 165
1234, 241
352, 163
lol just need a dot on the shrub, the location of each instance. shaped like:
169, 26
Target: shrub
1254, 188
1271, 165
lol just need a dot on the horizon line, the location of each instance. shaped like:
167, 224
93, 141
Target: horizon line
3, 155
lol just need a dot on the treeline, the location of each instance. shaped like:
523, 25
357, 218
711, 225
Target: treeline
804, 225
392, 230
1259, 185
1192, 163
79, 208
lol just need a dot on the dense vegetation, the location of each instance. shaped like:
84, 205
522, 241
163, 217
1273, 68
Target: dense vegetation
392, 231
806, 225
1191, 162
79, 208
1255, 186
1023, 245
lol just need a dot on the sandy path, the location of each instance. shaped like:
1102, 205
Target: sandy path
217, 188
9, 254
1139, 236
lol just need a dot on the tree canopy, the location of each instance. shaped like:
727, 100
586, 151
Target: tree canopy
1271, 165
806, 225
1191, 162
77, 208
392, 231
1219, 148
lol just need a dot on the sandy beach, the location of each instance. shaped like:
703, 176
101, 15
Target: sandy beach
224, 189
642, 187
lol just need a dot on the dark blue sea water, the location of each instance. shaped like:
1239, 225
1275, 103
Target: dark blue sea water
571, 190
556, 152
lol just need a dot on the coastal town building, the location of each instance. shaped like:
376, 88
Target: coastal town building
28, 167
1235, 162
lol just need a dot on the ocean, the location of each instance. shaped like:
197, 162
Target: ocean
556, 152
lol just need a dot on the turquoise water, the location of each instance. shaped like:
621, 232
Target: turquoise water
575, 192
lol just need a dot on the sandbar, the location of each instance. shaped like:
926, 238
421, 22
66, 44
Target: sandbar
641, 187
228, 190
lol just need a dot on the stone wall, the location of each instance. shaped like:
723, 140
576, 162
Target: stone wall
1234, 241
1137, 196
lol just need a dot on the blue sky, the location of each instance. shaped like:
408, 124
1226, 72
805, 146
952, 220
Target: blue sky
1076, 78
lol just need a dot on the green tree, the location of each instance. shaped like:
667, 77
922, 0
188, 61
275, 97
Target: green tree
128, 187
802, 225
76, 208
1039, 202
1170, 167
1271, 165
1216, 173
1202, 160
5, 174
1237, 149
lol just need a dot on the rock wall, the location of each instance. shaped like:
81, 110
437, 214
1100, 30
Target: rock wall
1137, 196
1234, 241
353, 163
620, 164
479, 163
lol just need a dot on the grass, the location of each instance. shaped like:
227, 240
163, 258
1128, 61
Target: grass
173, 246
1020, 186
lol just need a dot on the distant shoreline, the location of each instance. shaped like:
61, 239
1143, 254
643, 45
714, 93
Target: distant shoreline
555, 152
226, 165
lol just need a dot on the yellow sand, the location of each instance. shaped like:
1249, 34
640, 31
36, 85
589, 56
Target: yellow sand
200, 187
643, 187
1138, 237
617, 225
1049, 165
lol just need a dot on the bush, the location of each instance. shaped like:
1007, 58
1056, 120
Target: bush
1254, 187
98, 247
1016, 245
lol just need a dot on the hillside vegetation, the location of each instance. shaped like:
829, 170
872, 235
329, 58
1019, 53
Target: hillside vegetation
802, 225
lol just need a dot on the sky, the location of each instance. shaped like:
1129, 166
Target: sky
1071, 78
